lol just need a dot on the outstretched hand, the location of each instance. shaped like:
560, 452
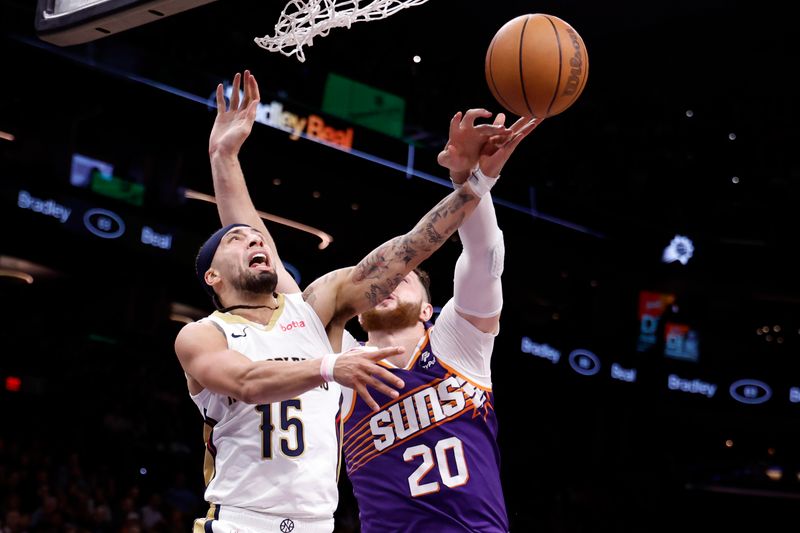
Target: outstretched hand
460, 154
496, 151
233, 125
358, 368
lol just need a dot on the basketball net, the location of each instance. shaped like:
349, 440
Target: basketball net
302, 20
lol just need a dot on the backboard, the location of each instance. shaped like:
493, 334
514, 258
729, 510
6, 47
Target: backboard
69, 22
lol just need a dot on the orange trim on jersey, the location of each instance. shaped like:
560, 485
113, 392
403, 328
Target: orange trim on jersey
462, 376
387, 404
422, 344
360, 442
346, 417
359, 436
356, 464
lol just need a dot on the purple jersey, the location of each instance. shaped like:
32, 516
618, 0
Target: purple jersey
428, 460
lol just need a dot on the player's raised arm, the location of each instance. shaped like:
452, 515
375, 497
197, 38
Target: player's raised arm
345, 293
481, 261
231, 128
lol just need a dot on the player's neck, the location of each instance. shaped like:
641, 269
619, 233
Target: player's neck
254, 307
406, 337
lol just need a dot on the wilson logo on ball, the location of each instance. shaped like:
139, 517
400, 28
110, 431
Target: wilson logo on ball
536, 65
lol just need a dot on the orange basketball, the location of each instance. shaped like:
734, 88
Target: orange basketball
536, 65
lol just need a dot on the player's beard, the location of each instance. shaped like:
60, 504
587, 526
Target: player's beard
262, 282
403, 316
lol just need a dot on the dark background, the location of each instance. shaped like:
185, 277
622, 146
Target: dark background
102, 394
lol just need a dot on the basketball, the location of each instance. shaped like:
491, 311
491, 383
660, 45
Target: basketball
536, 65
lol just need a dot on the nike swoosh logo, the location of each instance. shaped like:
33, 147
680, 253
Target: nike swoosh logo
244, 333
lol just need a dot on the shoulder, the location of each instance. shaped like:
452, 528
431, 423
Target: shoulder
323, 295
197, 333
326, 282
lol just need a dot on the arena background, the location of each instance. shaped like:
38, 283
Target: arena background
687, 127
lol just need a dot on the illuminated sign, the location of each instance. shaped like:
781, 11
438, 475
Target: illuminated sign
681, 342
584, 362
314, 127
540, 350
651, 306
47, 207
98, 176
364, 105
750, 391
158, 240
83, 167
620, 373
693, 386
104, 223
680, 249
98, 221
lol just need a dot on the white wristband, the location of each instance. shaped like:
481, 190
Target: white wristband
480, 183
326, 367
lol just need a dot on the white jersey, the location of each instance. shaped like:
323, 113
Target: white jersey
281, 459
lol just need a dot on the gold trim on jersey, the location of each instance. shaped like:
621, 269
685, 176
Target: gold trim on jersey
340, 429
209, 466
211, 515
229, 318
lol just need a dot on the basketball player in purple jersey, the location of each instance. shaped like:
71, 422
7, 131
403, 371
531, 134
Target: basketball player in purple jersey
428, 460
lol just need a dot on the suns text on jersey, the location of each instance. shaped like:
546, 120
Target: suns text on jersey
410, 414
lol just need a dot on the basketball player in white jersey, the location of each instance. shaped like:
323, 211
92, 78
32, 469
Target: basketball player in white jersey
262, 369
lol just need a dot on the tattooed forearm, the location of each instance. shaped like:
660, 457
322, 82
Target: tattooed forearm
375, 264
442, 221
433, 236
386, 266
379, 291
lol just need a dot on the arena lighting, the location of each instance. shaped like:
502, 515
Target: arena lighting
175, 317
185, 313
679, 249
774, 473
325, 238
13, 267
8, 273
13, 384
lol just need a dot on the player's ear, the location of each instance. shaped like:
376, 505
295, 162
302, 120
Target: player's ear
425, 312
211, 277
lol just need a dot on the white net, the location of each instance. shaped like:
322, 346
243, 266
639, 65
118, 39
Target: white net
302, 20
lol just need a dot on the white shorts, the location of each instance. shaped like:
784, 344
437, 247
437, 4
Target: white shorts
234, 520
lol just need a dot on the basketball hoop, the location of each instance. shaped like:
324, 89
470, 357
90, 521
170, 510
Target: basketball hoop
302, 20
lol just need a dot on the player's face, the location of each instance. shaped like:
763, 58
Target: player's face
402, 309
243, 258
409, 290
